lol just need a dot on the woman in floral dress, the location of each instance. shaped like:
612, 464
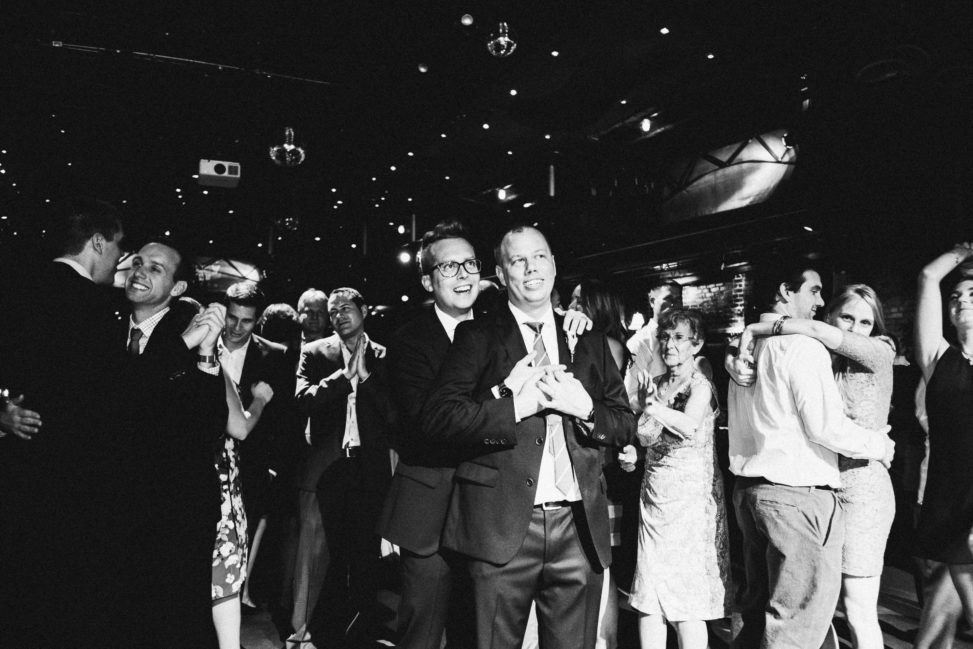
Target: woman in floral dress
682, 574
230, 550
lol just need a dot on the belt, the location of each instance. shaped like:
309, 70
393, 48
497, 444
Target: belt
754, 480
351, 451
553, 505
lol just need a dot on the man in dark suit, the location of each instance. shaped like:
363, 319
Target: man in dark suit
59, 355
418, 499
178, 413
247, 358
342, 386
530, 510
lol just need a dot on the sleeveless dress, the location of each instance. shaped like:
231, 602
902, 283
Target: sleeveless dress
230, 551
682, 571
947, 506
866, 494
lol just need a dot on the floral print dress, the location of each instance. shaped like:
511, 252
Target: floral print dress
682, 568
230, 551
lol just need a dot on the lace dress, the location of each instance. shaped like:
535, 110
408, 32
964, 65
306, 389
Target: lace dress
230, 551
866, 494
682, 570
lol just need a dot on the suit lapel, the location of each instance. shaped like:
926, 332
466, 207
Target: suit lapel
563, 353
511, 340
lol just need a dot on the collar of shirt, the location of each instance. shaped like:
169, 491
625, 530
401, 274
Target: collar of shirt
76, 266
548, 331
449, 322
147, 326
232, 360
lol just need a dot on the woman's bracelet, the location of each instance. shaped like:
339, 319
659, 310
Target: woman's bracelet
778, 326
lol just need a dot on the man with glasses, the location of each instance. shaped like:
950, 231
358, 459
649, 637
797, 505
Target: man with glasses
532, 409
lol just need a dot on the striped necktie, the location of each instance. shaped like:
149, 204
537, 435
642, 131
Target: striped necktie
133, 341
563, 477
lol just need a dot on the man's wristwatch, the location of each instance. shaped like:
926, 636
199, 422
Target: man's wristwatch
208, 359
505, 392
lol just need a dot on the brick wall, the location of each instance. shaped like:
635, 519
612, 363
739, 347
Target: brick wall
722, 304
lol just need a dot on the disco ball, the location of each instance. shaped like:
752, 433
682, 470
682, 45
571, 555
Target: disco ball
287, 154
501, 43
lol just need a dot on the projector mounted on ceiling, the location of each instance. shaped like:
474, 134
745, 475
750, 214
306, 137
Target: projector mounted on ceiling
219, 173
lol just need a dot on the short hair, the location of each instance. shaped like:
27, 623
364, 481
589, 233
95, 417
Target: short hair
184, 271
349, 294
692, 317
246, 293
280, 323
604, 307
868, 295
670, 284
183, 309
450, 229
523, 227
767, 277
80, 218
311, 295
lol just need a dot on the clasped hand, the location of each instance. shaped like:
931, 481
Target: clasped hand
546, 387
205, 328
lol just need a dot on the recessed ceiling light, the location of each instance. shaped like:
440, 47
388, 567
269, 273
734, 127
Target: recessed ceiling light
423, 68
405, 298
513, 92
354, 245
664, 31
711, 56
510, 152
334, 190
317, 238
623, 102
486, 126
442, 135
401, 229
547, 136
555, 53
466, 19
391, 167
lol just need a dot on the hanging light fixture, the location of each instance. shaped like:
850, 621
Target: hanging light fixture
287, 154
501, 43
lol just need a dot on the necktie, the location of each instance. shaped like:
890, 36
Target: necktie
133, 341
555, 426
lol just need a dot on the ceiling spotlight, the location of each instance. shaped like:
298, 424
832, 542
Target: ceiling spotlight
502, 194
528, 204
501, 43
711, 56
513, 92
547, 136
510, 152
645, 125
664, 31
423, 68
410, 154
405, 257
401, 229
405, 298
809, 228
334, 190
467, 20
446, 177
555, 53
623, 102
442, 135
391, 167
486, 126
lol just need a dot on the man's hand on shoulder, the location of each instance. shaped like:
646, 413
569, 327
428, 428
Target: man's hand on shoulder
576, 323
738, 367
19, 421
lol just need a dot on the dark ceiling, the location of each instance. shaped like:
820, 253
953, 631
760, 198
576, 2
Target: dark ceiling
123, 103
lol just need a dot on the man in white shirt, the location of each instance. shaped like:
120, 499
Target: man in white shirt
535, 407
786, 430
342, 385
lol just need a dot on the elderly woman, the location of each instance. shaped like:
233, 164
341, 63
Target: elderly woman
946, 519
682, 573
862, 356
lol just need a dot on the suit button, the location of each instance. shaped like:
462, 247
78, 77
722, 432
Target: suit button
539, 441
530, 482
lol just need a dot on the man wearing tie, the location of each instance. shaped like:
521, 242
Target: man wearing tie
342, 386
536, 407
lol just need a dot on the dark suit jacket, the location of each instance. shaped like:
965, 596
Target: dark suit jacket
418, 500
325, 404
493, 499
265, 361
178, 416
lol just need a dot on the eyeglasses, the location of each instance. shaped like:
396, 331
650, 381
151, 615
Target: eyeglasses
676, 338
451, 268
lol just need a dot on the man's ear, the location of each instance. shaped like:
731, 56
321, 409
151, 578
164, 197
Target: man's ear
178, 288
364, 311
426, 283
501, 275
782, 292
98, 242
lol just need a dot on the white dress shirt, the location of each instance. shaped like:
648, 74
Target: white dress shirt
147, 326
790, 425
232, 361
351, 438
448, 322
547, 491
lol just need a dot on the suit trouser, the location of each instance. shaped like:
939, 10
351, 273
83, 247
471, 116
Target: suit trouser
435, 597
551, 568
349, 594
792, 538
310, 561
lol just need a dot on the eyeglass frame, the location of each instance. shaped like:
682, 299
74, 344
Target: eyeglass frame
465, 264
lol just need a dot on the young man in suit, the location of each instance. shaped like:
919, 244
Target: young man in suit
537, 406
247, 358
177, 408
342, 387
60, 358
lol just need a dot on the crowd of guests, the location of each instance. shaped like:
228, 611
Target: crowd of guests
532, 470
